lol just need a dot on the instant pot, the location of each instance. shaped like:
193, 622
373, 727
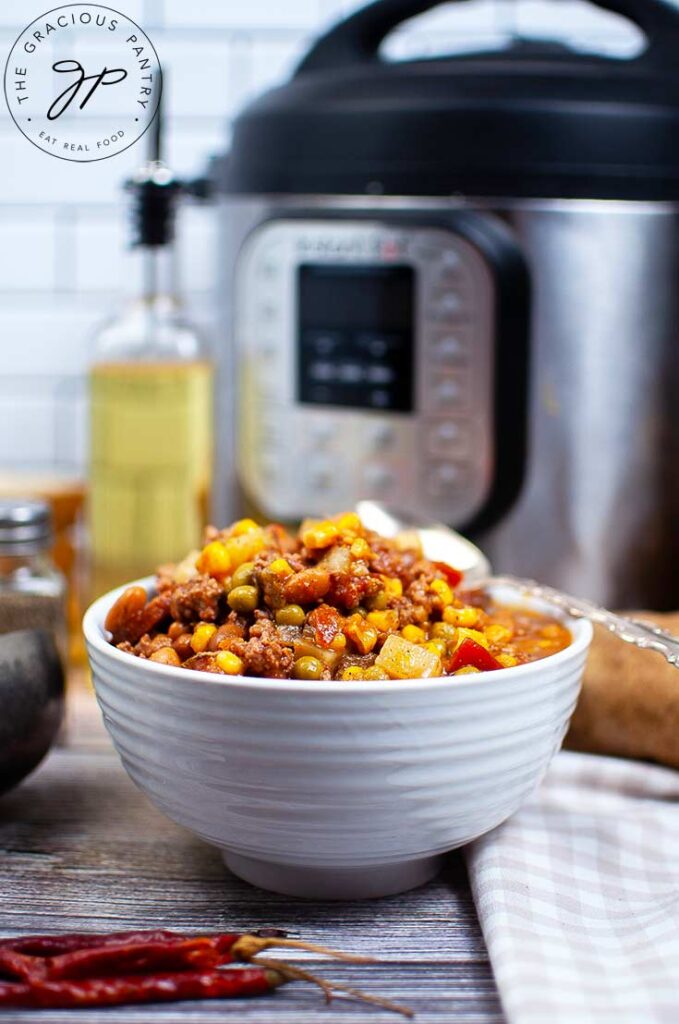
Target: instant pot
453, 285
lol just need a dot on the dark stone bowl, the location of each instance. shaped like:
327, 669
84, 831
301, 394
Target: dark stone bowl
31, 701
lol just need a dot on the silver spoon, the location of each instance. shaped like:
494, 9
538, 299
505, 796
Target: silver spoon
442, 543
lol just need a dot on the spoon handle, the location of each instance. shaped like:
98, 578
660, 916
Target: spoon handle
632, 631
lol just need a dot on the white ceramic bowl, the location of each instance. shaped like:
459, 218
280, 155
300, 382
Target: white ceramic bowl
335, 790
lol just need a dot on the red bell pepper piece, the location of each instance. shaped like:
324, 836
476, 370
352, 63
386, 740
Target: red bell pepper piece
471, 653
453, 576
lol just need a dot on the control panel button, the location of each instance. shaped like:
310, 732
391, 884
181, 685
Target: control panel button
322, 343
381, 437
446, 436
449, 350
447, 304
449, 391
445, 479
450, 260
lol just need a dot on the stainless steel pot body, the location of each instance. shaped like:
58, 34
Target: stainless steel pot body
598, 511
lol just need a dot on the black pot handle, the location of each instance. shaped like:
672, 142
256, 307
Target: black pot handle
357, 39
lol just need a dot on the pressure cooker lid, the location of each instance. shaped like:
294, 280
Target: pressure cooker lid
532, 120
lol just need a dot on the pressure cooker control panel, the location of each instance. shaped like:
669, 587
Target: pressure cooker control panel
366, 363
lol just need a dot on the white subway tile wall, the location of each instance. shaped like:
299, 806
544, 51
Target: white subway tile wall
62, 225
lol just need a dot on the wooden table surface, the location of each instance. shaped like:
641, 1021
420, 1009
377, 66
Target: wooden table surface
82, 849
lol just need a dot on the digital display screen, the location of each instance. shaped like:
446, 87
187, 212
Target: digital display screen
355, 336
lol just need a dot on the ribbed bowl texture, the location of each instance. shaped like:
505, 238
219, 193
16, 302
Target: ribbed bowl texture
335, 790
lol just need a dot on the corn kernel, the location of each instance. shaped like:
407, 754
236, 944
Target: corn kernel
244, 548
360, 548
349, 523
281, 567
338, 642
375, 673
507, 660
414, 634
473, 634
320, 535
202, 635
461, 616
229, 663
243, 526
386, 621
467, 670
214, 560
393, 586
351, 673
498, 634
442, 591
438, 647
443, 631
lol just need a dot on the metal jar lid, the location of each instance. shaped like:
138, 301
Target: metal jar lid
25, 526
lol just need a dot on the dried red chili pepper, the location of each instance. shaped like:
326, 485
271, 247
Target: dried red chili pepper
200, 953
166, 987
471, 653
18, 965
53, 945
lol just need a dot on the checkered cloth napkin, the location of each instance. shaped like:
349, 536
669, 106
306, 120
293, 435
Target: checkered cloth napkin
578, 896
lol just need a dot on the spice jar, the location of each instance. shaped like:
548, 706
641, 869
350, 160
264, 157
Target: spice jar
32, 590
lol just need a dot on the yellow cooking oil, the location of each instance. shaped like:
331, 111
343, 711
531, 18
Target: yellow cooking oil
150, 465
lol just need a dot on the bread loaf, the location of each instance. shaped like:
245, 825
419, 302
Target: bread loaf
629, 705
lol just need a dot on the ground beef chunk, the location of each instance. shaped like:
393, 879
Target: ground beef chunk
203, 663
265, 653
422, 597
149, 645
196, 599
349, 590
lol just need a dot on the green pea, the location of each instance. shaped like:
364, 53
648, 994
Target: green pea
307, 668
243, 576
243, 599
290, 615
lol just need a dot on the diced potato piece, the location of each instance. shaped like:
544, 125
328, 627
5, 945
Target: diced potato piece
337, 559
402, 660
328, 656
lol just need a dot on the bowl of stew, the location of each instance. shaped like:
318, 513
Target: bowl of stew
331, 709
